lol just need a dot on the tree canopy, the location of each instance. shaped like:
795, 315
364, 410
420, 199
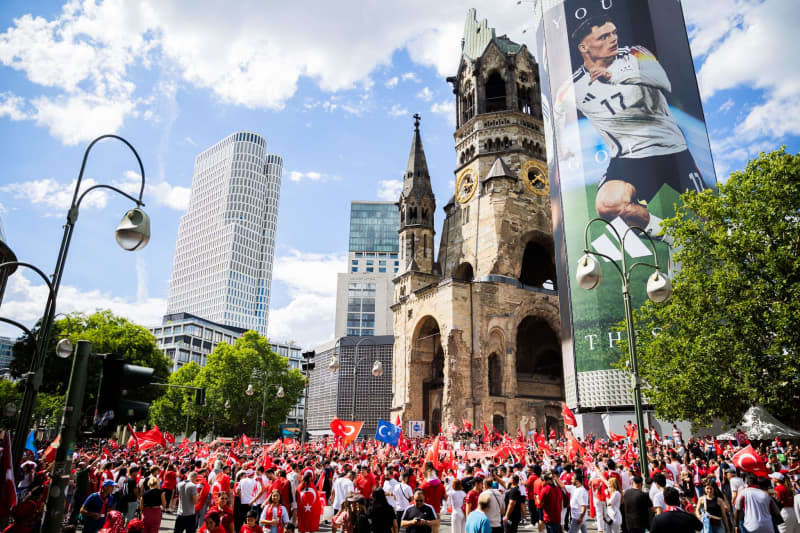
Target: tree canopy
729, 338
228, 372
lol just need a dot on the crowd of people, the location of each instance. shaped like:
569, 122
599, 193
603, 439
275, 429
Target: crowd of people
488, 485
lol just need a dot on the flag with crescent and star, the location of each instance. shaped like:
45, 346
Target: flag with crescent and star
388, 432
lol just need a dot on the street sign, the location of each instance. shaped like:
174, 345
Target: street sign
416, 428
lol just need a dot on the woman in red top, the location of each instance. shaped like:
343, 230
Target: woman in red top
222, 507
785, 496
169, 484
211, 524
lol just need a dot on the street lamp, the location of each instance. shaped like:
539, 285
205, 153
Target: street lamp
307, 367
589, 275
279, 394
377, 371
132, 233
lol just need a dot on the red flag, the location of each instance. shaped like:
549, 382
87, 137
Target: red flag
398, 423
520, 437
616, 438
245, 440
8, 496
440, 427
309, 510
569, 418
153, 436
133, 441
485, 432
467, 425
49, 454
113, 444
747, 460
272, 448
574, 448
169, 437
345, 429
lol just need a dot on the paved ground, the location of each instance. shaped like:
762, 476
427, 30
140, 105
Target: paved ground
168, 524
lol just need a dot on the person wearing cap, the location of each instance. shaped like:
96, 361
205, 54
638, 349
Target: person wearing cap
96, 506
785, 496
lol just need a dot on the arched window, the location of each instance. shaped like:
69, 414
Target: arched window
499, 423
495, 375
538, 351
538, 267
463, 272
495, 93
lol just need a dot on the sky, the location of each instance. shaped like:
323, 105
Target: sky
330, 85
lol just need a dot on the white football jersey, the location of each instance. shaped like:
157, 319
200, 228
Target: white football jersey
629, 110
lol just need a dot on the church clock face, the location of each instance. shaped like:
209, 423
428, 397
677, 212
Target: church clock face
466, 186
534, 174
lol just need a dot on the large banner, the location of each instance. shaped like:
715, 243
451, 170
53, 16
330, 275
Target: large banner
625, 136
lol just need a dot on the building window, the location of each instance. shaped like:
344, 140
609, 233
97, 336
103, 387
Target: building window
353, 269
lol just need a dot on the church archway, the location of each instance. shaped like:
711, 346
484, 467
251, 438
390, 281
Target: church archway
495, 93
499, 423
495, 375
463, 272
428, 359
539, 364
538, 267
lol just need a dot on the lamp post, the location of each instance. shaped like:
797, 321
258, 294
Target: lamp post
132, 233
308, 366
377, 371
279, 394
589, 275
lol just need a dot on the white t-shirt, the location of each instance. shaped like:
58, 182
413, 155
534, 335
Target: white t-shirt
388, 489
342, 487
657, 497
456, 500
578, 497
757, 518
736, 484
247, 488
402, 496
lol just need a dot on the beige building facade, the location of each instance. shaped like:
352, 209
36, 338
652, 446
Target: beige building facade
477, 328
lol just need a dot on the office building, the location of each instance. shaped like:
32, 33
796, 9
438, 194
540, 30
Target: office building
222, 269
330, 393
364, 293
183, 337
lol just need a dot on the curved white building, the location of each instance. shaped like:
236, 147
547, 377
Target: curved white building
222, 270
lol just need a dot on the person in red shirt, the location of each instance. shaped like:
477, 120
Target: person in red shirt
434, 491
211, 524
282, 485
169, 484
202, 496
251, 525
365, 482
222, 507
471, 501
530, 482
552, 503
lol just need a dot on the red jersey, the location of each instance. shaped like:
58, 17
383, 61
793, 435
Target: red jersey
552, 502
434, 492
472, 499
364, 485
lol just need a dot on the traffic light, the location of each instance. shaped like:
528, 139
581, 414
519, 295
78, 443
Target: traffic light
120, 383
200, 397
309, 364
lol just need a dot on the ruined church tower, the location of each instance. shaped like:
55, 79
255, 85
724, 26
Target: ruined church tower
476, 331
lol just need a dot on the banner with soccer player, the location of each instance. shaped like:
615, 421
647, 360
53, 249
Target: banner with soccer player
626, 136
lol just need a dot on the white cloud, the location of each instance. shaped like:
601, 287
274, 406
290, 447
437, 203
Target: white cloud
172, 196
189, 140
447, 109
311, 175
425, 94
24, 300
51, 194
726, 106
389, 190
311, 281
391, 83
398, 111
410, 76
11, 106
82, 117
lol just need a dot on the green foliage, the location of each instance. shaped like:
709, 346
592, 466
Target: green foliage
228, 372
48, 407
729, 337
108, 333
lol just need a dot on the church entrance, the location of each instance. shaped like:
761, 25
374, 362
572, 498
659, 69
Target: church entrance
429, 359
539, 363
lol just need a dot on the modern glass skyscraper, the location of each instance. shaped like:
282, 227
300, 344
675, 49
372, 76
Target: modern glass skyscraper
222, 270
364, 292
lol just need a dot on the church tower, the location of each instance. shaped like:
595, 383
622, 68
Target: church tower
477, 331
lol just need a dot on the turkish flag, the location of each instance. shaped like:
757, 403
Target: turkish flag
49, 454
8, 496
245, 440
169, 437
309, 510
569, 418
153, 435
616, 438
747, 460
348, 431
574, 448
485, 431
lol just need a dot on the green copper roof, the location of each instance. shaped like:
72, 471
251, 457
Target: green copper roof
478, 35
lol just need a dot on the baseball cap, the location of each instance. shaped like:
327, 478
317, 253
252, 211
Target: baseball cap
108, 483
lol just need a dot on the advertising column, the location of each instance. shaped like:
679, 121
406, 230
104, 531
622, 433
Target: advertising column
625, 136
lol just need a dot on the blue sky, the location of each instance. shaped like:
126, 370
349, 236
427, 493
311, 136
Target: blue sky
330, 85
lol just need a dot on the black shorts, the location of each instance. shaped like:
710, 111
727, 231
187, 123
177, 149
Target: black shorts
649, 174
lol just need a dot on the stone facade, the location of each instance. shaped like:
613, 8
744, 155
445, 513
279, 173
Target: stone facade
476, 331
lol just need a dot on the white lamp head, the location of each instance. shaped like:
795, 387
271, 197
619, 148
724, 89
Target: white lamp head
249, 390
133, 232
227, 404
589, 274
659, 288
64, 348
377, 369
333, 366
281, 392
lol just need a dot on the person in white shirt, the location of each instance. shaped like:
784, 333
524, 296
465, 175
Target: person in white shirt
390, 484
578, 505
342, 488
248, 487
403, 494
753, 507
455, 500
657, 493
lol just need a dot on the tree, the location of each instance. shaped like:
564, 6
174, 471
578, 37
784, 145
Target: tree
108, 333
48, 407
228, 372
728, 338
169, 411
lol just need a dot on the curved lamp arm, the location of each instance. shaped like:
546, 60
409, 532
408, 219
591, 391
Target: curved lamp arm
32, 267
83, 167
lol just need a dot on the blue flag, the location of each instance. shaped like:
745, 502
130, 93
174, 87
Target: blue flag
388, 432
31, 445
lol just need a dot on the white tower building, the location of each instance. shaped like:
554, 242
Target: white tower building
222, 270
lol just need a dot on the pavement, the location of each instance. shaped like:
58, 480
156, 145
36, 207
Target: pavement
168, 524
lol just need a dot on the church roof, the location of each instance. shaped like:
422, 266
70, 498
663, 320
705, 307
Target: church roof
499, 170
416, 180
478, 35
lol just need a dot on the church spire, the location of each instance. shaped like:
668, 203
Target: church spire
417, 180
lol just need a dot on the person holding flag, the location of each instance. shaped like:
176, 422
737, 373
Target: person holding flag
388, 433
309, 508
